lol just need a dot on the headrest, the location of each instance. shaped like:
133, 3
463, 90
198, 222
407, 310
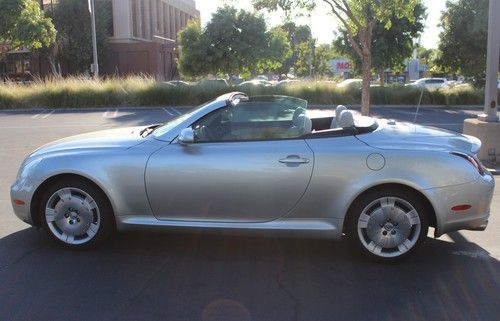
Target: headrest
299, 111
303, 123
339, 109
346, 119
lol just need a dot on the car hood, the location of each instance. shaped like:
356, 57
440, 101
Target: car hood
401, 135
120, 138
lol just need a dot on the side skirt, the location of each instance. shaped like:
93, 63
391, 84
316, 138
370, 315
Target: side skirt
288, 227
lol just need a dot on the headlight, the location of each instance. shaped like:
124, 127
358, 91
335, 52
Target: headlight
27, 167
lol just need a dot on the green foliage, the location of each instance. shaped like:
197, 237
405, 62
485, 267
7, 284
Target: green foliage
73, 46
358, 17
389, 47
296, 35
304, 48
192, 51
233, 42
430, 58
322, 56
23, 24
463, 40
301, 65
277, 51
357, 14
137, 91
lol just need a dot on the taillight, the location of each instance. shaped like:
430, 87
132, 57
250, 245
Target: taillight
471, 159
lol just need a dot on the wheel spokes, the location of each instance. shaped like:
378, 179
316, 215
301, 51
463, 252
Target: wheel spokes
72, 215
389, 226
413, 217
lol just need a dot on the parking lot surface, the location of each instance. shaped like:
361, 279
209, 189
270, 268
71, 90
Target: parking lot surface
198, 276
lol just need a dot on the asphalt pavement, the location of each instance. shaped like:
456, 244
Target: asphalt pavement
199, 276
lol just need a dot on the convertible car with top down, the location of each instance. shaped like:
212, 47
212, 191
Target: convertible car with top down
260, 164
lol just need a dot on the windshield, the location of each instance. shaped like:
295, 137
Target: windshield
172, 123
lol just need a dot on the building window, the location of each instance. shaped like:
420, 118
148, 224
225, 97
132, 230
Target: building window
135, 15
173, 30
143, 18
159, 11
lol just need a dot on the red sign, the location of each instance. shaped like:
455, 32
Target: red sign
341, 65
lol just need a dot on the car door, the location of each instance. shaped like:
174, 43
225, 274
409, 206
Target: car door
228, 182
233, 177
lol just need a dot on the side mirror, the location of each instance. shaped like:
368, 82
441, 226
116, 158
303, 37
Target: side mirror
186, 136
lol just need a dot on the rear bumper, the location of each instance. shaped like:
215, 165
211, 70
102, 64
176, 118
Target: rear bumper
478, 194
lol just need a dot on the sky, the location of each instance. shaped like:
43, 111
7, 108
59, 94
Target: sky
323, 25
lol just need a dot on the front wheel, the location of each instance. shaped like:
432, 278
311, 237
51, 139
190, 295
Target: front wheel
76, 214
388, 224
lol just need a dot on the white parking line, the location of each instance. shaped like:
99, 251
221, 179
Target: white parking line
36, 116
115, 113
48, 115
168, 112
177, 111
105, 114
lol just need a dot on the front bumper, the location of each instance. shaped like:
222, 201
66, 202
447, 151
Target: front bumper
23, 190
478, 194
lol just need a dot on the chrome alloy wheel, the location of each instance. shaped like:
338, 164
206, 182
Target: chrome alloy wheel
389, 227
72, 216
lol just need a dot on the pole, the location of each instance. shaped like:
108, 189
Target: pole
95, 65
310, 49
491, 89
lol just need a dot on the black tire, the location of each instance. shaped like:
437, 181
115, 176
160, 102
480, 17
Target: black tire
403, 198
103, 212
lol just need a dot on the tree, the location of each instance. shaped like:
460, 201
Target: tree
303, 57
463, 39
429, 57
390, 47
233, 42
296, 35
73, 47
23, 24
358, 17
322, 56
192, 51
277, 52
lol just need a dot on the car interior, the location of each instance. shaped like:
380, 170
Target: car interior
259, 120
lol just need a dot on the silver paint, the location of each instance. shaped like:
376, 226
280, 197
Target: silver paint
302, 185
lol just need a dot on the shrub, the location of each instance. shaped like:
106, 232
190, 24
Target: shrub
144, 91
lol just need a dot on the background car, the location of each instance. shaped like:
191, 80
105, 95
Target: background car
213, 82
256, 83
179, 83
431, 83
263, 164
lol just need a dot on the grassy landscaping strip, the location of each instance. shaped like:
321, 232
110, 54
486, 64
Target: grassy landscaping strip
139, 91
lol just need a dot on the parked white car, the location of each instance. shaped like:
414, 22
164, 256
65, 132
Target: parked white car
431, 83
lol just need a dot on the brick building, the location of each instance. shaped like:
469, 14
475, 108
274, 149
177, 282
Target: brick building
145, 35
143, 41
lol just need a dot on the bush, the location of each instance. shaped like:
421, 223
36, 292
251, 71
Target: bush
144, 91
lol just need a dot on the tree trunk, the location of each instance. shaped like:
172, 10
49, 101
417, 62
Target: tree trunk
382, 77
367, 76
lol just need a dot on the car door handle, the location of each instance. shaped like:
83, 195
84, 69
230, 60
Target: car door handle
294, 159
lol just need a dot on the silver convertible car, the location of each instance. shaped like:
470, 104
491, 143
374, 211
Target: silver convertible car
260, 164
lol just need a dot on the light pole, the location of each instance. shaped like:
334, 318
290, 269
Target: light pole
94, 68
491, 86
487, 127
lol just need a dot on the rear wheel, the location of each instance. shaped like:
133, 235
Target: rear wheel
388, 224
76, 214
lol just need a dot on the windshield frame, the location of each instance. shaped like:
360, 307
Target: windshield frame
171, 129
